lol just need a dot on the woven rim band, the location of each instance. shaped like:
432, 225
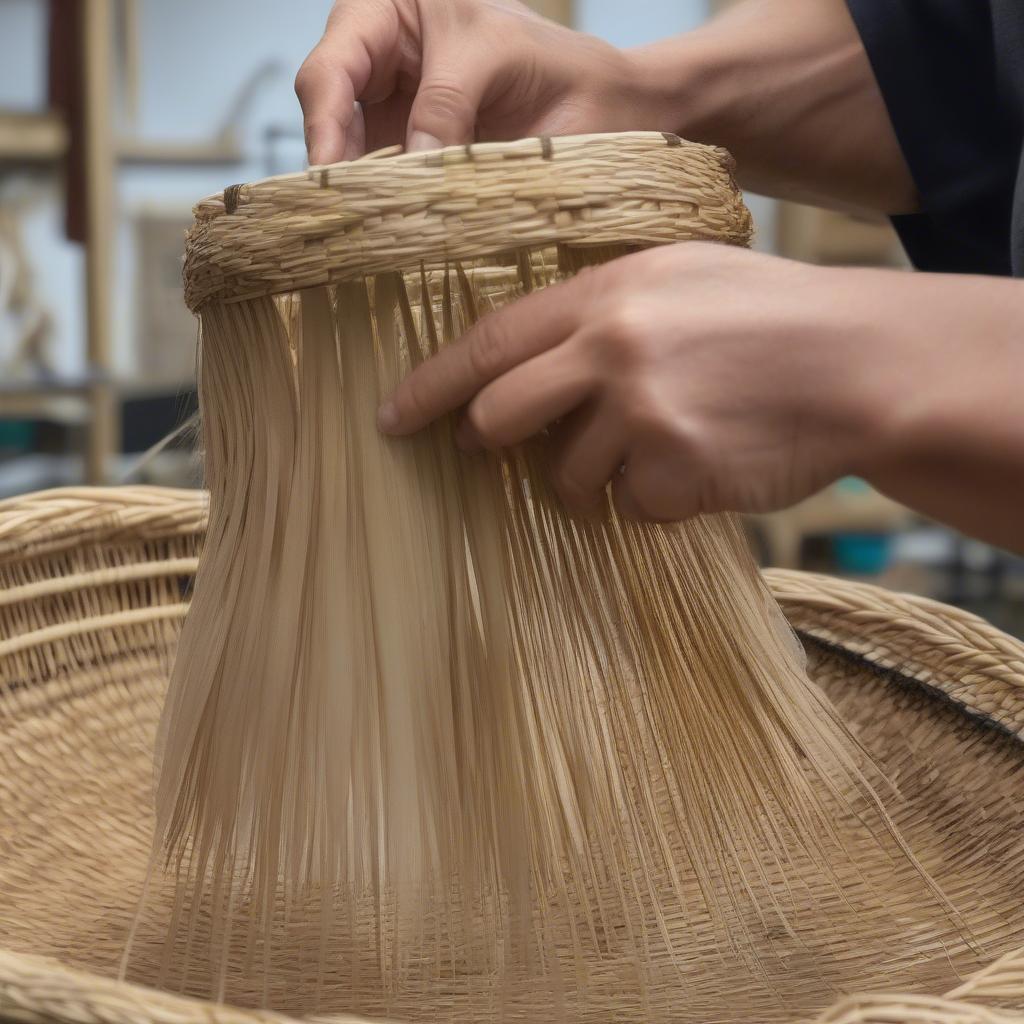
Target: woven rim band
387, 212
977, 667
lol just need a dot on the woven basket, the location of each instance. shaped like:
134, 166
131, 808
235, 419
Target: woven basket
93, 587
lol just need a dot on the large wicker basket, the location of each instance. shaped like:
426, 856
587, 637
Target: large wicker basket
93, 586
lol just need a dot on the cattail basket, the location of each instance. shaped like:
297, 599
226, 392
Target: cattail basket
636, 682
94, 584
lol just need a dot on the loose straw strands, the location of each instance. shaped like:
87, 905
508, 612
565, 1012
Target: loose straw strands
415, 700
432, 687
77, 747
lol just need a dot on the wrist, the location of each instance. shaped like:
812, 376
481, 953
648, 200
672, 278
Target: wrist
687, 85
939, 365
852, 366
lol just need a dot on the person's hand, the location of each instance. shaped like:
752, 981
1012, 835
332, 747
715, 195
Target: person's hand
428, 73
694, 378
700, 378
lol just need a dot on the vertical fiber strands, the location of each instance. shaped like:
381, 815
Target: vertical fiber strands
432, 747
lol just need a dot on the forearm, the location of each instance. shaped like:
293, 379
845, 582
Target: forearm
947, 419
786, 86
979, 492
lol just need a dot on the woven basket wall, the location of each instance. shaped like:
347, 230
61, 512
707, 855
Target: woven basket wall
93, 587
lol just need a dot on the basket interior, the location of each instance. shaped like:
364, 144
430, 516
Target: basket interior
80, 695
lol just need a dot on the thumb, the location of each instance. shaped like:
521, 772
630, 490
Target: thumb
649, 490
445, 110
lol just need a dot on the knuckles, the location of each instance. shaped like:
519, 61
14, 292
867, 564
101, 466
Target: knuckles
573, 492
628, 336
630, 504
305, 78
661, 490
489, 348
484, 422
445, 98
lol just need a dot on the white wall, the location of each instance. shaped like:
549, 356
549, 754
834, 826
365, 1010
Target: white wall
632, 24
22, 38
196, 56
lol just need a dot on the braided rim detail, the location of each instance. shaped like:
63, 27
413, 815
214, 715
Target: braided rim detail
386, 212
976, 665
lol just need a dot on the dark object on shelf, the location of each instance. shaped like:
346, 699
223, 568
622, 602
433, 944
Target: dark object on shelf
145, 421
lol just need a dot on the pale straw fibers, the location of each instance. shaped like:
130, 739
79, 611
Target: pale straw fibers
431, 748
92, 591
415, 703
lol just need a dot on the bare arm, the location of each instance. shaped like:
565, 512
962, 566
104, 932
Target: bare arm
784, 84
787, 87
699, 378
719, 379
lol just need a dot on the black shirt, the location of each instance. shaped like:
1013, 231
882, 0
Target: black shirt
952, 74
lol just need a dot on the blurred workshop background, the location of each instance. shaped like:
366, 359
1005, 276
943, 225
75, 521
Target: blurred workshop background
116, 115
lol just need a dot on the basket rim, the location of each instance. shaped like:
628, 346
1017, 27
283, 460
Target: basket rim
49, 521
35, 989
953, 653
393, 210
505, 152
43, 990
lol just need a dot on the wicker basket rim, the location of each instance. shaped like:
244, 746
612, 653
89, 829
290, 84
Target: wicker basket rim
388, 212
49, 521
953, 653
496, 156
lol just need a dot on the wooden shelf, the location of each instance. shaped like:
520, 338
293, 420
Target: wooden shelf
833, 510
70, 401
62, 400
32, 138
67, 407
129, 387
43, 138
78, 385
154, 151
556, 10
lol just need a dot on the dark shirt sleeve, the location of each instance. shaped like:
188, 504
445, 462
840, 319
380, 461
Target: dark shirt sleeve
935, 62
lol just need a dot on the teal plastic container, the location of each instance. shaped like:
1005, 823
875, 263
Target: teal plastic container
862, 554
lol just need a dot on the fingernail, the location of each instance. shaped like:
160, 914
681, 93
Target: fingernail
420, 142
387, 417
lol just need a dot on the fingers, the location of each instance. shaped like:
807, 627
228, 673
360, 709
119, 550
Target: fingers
328, 106
368, 55
656, 487
356, 59
386, 122
449, 97
355, 137
585, 455
522, 402
497, 344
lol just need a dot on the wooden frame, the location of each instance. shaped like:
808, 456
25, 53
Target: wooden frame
99, 252
43, 138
